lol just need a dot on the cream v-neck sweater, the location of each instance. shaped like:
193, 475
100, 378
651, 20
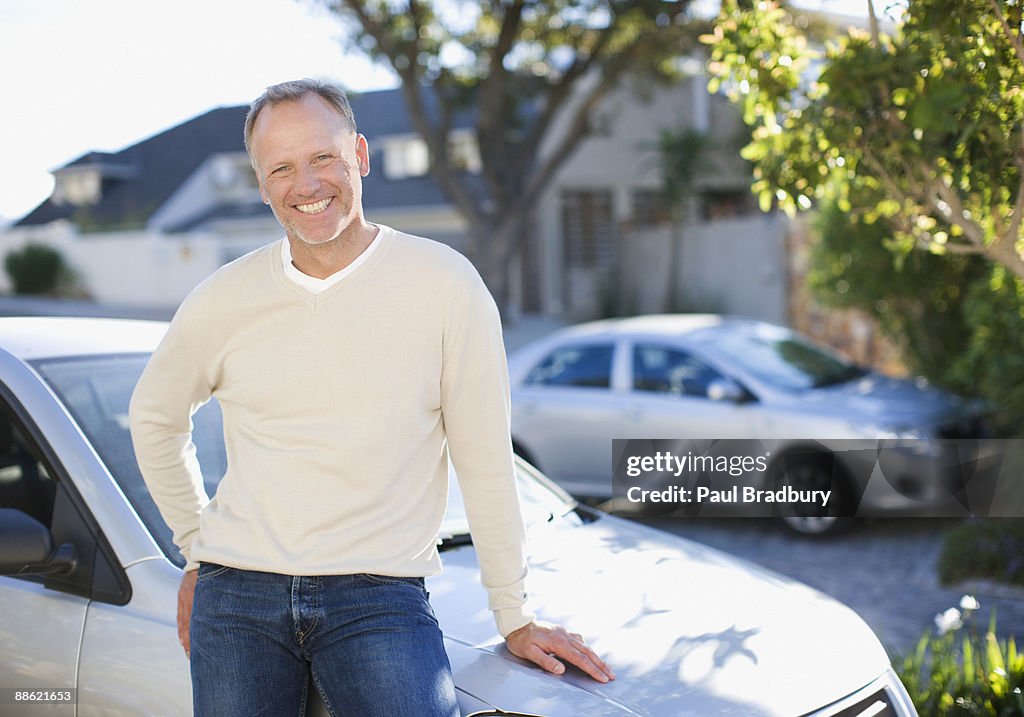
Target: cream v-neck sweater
340, 411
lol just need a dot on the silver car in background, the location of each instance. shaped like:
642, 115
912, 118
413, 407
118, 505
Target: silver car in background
90, 577
715, 377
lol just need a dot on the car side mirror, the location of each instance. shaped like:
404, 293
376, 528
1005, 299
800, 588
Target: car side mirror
727, 390
26, 547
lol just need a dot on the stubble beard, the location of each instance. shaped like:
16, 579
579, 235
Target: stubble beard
294, 232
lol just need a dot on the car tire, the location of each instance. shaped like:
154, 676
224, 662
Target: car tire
815, 472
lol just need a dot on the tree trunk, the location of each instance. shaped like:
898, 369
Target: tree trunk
673, 293
495, 241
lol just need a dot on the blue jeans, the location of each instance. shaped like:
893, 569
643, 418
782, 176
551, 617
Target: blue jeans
370, 642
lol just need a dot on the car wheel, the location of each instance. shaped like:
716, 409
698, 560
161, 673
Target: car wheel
815, 472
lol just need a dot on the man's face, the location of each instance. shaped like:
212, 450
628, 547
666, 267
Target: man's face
310, 168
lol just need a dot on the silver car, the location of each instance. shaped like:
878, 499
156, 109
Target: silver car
87, 601
715, 377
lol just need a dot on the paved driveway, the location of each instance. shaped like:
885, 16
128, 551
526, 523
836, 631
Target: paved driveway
883, 569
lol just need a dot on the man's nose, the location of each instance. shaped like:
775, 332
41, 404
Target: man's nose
307, 182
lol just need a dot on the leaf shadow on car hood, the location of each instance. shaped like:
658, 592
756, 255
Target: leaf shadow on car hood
687, 629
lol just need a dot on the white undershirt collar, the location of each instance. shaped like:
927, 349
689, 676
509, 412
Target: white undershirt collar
315, 285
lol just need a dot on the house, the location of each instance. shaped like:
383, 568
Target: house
144, 225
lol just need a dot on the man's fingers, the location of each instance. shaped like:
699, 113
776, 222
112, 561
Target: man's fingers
186, 593
572, 649
545, 660
543, 644
588, 661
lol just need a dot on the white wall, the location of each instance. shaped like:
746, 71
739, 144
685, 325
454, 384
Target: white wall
153, 269
732, 266
129, 268
622, 156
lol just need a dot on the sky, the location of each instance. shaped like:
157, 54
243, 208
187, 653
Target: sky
105, 74
102, 75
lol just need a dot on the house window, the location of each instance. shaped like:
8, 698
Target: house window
722, 204
588, 228
650, 208
408, 157
464, 153
77, 187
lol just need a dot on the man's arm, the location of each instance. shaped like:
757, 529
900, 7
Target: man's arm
169, 392
476, 411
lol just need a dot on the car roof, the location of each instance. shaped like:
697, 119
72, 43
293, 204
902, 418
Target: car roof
657, 324
35, 337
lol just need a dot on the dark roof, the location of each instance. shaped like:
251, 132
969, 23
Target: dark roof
247, 210
161, 163
140, 178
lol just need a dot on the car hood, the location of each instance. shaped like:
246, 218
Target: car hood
894, 401
688, 630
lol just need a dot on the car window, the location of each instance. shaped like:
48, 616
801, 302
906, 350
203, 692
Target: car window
785, 359
581, 366
25, 483
658, 369
96, 392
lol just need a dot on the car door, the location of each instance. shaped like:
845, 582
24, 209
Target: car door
668, 396
566, 412
41, 620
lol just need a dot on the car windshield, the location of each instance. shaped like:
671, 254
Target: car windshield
784, 359
96, 391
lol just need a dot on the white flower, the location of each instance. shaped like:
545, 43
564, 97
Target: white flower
949, 620
968, 602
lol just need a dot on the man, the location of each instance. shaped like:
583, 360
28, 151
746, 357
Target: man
349, 360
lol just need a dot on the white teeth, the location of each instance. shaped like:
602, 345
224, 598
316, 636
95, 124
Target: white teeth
315, 207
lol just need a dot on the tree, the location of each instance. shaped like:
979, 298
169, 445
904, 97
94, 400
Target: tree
535, 72
911, 142
683, 155
924, 127
917, 299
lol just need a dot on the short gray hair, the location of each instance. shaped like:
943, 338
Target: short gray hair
293, 91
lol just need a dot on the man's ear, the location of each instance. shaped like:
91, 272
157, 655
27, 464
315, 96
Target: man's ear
263, 193
363, 155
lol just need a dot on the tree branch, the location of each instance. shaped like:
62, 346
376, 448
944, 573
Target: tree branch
557, 94
578, 128
956, 214
436, 137
491, 104
1013, 38
923, 239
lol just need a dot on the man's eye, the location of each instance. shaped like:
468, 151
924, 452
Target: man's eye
279, 170
323, 158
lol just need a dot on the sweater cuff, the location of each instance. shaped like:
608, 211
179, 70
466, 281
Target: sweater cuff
511, 619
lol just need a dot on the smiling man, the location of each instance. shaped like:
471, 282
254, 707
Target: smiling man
350, 360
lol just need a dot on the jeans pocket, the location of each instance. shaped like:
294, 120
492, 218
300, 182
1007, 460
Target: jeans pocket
393, 580
210, 570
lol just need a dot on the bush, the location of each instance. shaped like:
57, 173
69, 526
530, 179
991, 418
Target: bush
958, 319
994, 356
36, 269
991, 548
949, 675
